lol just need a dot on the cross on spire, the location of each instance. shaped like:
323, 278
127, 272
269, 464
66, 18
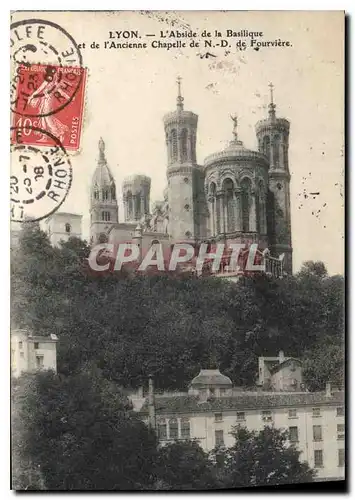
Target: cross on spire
180, 99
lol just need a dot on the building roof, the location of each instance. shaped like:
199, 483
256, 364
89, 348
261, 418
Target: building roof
211, 377
102, 175
236, 151
244, 401
275, 368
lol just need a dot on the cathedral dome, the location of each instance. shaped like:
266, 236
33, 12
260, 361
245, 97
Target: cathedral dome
236, 152
211, 378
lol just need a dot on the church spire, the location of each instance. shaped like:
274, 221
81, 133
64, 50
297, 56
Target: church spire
179, 99
272, 106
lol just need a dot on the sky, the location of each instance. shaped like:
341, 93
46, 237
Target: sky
128, 92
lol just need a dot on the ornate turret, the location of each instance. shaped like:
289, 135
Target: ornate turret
136, 197
273, 139
103, 200
180, 133
236, 187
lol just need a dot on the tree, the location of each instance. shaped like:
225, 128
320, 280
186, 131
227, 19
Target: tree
184, 466
80, 432
324, 363
259, 459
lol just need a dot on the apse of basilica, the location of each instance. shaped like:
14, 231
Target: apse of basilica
237, 195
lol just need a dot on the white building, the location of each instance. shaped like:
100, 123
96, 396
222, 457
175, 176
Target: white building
61, 226
212, 407
32, 352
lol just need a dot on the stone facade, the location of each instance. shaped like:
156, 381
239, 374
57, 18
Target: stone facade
61, 226
236, 196
32, 352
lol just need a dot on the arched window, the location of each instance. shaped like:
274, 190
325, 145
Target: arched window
277, 141
67, 227
246, 188
106, 216
105, 194
113, 192
103, 238
185, 428
129, 205
213, 213
162, 434
173, 429
155, 242
138, 206
228, 200
266, 146
193, 147
96, 194
261, 208
174, 145
184, 144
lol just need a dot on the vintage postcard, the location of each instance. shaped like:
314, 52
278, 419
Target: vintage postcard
177, 250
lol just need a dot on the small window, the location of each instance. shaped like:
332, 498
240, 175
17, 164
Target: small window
293, 432
185, 428
186, 180
240, 416
96, 195
317, 433
292, 413
222, 392
22, 355
219, 438
39, 361
218, 417
340, 411
67, 227
318, 458
173, 429
20, 345
105, 194
316, 412
187, 207
188, 234
279, 186
106, 216
36, 345
162, 434
266, 416
341, 431
341, 457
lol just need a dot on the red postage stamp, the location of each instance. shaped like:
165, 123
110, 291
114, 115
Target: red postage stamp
50, 98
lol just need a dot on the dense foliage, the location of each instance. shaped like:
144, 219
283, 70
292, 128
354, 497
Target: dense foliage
79, 433
171, 327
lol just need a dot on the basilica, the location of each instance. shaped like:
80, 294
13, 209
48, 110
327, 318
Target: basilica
236, 195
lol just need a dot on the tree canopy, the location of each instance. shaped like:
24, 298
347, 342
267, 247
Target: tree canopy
170, 327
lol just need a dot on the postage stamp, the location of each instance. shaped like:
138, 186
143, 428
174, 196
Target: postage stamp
40, 177
39, 89
36, 41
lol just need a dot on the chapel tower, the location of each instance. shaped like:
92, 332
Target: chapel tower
136, 197
183, 174
273, 140
103, 200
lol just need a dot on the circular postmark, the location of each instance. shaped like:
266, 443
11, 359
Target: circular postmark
40, 178
46, 44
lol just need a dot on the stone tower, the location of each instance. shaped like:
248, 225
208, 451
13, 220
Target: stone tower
103, 200
182, 172
273, 139
136, 197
